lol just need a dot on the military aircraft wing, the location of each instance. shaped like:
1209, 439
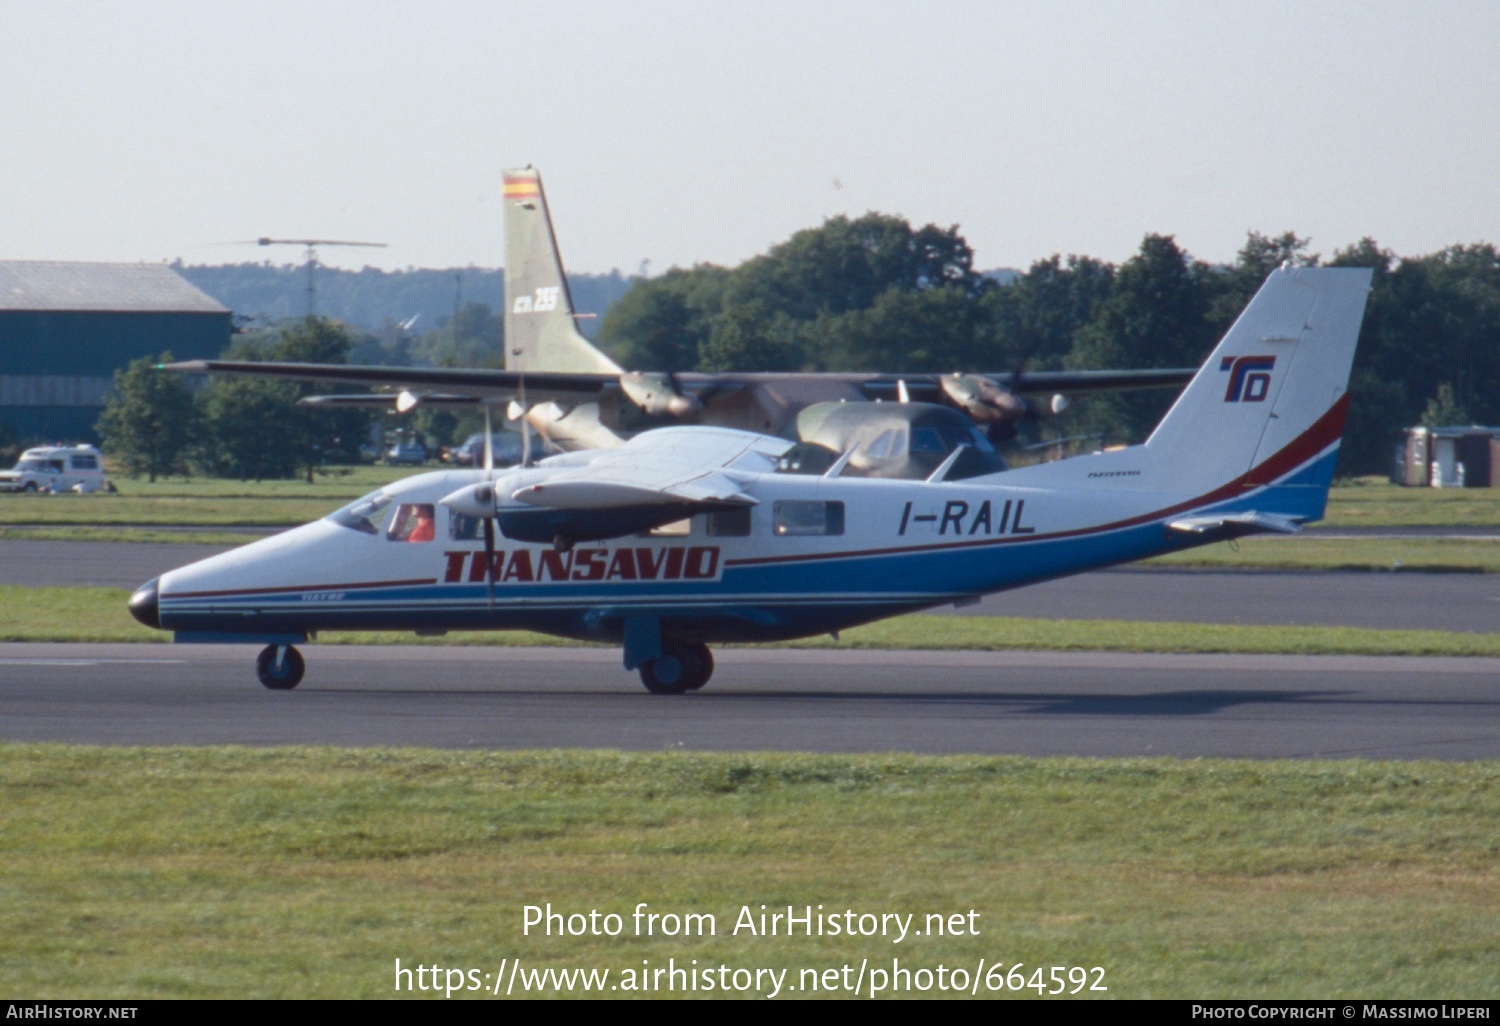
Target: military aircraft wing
1081, 382
452, 383
383, 401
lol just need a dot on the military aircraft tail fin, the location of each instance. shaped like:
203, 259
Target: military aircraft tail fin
540, 334
1269, 405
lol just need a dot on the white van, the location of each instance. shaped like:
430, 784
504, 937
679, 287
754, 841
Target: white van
56, 468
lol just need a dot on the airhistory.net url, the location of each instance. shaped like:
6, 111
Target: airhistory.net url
511, 977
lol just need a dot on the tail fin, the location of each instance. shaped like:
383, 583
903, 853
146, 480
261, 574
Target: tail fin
539, 331
1268, 407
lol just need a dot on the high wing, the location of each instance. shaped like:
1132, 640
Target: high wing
653, 479
470, 385
440, 383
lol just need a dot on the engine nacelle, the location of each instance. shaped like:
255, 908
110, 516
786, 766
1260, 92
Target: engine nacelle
657, 395
984, 400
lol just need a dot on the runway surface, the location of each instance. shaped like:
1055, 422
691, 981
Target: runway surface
1097, 704
1387, 601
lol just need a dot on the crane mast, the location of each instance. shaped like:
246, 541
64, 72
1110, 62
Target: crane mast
311, 246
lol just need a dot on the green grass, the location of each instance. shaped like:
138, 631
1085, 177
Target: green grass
1309, 552
128, 534
289, 873
202, 501
1375, 502
99, 615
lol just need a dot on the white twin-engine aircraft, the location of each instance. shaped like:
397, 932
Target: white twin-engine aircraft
689, 535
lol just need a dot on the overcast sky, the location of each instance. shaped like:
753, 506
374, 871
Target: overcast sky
680, 132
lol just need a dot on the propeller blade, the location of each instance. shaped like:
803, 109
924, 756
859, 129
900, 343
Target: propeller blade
489, 559
525, 424
489, 445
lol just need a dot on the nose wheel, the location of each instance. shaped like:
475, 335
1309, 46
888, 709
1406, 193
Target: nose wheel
680, 668
280, 667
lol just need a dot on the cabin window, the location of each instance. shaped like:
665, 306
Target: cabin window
730, 523
366, 514
807, 517
676, 529
462, 528
85, 463
413, 522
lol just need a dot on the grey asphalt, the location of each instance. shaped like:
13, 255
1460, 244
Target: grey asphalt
1093, 704
1388, 601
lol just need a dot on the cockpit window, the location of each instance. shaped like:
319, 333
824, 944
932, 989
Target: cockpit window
366, 514
927, 439
413, 522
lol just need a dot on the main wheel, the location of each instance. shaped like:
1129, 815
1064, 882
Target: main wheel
704, 669
280, 667
681, 667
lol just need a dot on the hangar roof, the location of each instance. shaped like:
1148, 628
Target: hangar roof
67, 286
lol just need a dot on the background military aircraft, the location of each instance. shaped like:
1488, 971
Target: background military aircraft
578, 398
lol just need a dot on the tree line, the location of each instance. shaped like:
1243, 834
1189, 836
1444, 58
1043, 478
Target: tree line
875, 293
156, 424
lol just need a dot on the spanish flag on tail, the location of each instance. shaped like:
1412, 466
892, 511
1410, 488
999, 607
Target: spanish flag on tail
521, 187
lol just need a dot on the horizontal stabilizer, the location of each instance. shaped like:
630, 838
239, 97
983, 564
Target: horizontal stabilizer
1235, 525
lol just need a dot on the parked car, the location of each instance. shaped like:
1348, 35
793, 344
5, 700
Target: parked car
506, 446
56, 468
408, 453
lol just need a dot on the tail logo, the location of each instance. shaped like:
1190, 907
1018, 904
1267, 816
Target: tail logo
543, 300
1249, 378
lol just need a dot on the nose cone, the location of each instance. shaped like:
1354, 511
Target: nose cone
684, 407
143, 604
472, 501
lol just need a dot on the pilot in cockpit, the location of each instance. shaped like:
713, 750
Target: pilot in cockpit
413, 522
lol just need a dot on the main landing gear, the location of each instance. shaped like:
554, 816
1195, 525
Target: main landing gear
280, 667
680, 667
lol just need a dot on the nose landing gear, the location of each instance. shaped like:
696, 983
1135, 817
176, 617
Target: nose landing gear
280, 667
681, 667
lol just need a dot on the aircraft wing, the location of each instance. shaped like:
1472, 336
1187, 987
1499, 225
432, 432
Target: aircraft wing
562, 386
653, 479
451, 382
927, 387
681, 465
382, 401
990, 400
1084, 382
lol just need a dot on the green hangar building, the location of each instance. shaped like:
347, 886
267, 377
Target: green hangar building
65, 328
